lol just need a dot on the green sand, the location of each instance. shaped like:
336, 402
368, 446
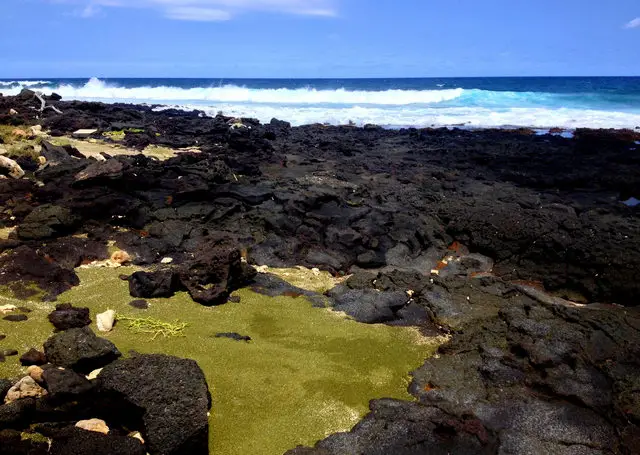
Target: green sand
307, 372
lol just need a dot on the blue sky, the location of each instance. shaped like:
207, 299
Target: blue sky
318, 38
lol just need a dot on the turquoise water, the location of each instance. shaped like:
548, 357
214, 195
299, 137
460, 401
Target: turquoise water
477, 102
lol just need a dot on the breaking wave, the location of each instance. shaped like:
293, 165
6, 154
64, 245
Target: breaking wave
469, 107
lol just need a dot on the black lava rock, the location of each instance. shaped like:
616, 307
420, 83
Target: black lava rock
80, 349
214, 273
368, 305
47, 221
17, 413
67, 317
149, 285
65, 384
139, 304
33, 357
169, 394
76, 441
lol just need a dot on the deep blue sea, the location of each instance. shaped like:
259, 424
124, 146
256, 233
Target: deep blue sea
539, 102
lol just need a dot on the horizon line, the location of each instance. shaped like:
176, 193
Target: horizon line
33, 78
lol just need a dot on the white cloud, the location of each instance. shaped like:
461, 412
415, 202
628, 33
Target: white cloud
635, 23
194, 13
214, 10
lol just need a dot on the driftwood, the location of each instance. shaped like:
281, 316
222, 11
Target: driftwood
43, 104
14, 168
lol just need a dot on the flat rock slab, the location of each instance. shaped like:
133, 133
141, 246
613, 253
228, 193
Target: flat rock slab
83, 133
170, 393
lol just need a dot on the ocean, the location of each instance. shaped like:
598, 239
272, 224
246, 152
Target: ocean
536, 102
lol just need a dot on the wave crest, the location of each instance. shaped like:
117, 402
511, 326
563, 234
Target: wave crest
22, 84
98, 89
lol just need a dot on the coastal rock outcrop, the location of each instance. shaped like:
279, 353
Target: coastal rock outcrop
172, 413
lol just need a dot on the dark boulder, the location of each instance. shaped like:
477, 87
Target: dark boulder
47, 221
17, 413
56, 154
102, 171
33, 357
150, 285
67, 317
80, 349
64, 384
71, 252
214, 273
170, 396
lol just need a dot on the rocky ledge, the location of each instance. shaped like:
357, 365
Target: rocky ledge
523, 247
80, 397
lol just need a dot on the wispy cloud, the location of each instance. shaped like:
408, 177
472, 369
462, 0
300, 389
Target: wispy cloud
194, 13
635, 23
88, 11
213, 10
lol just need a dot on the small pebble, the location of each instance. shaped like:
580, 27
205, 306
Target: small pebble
96, 425
10, 353
15, 318
234, 299
124, 277
2, 337
139, 304
23, 309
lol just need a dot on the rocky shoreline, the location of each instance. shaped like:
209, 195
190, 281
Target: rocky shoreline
518, 245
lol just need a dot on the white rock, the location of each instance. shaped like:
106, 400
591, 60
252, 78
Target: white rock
36, 130
95, 425
25, 387
13, 112
166, 260
94, 374
14, 168
7, 308
105, 320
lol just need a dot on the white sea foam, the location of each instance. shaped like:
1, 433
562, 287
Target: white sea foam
389, 108
99, 90
473, 117
23, 83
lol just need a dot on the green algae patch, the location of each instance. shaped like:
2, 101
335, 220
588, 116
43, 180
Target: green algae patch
307, 372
